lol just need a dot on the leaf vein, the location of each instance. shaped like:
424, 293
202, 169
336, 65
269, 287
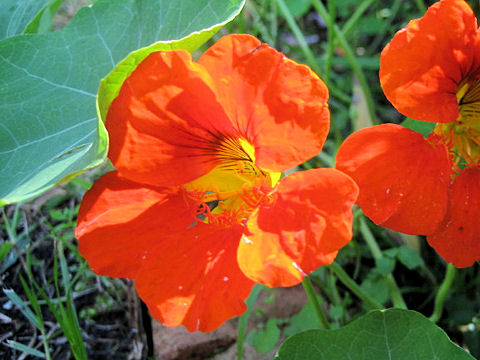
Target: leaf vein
46, 80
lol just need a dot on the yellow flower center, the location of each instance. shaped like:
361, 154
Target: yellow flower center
462, 136
230, 192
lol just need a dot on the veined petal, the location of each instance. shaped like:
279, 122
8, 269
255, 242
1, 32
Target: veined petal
194, 279
401, 177
421, 68
119, 221
279, 105
457, 239
308, 222
166, 124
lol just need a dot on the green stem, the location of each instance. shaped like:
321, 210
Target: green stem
357, 70
393, 289
381, 36
350, 23
273, 22
442, 292
312, 297
333, 288
353, 286
243, 320
331, 38
307, 52
326, 159
262, 28
299, 35
421, 6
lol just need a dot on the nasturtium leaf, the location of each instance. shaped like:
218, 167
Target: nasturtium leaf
305, 319
410, 257
391, 253
376, 286
385, 265
422, 127
49, 128
15, 15
336, 312
392, 334
264, 340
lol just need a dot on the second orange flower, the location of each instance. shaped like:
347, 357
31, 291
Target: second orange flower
430, 71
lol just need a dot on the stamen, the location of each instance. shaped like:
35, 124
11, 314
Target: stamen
463, 135
236, 185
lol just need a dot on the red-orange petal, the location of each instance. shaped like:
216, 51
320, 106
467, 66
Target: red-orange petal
457, 239
166, 123
421, 68
194, 279
401, 177
310, 220
278, 105
119, 221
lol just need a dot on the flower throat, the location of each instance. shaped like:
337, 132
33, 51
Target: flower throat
462, 136
230, 192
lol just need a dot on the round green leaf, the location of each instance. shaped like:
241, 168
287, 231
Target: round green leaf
265, 340
391, 334
48, 83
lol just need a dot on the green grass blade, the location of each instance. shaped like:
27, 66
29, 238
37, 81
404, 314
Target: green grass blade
25, 349
23, 307
307, 52
4, 250
350, 23
357, 69
10, 226
34, 302
78, 346
331, 41
42, 22
243, 320
63, 268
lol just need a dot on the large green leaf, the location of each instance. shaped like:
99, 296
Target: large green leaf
15, 15
48, 83
392, 334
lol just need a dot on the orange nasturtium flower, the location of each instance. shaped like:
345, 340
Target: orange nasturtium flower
196, 212
430, 71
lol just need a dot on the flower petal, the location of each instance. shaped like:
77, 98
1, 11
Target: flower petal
194, 279
421, 68
309, 221
119, 221
457, 239
278, 105
166, 123
401, 177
